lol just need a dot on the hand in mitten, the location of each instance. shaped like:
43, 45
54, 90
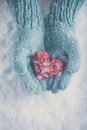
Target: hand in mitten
29, 39
61, 41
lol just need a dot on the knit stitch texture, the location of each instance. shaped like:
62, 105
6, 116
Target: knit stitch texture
60, 40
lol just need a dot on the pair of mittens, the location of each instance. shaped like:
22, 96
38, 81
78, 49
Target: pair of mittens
57, 37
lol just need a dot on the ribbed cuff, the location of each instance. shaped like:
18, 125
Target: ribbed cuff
27, 13
64, 11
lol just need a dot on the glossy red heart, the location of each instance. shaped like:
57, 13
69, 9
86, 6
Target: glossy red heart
44, 67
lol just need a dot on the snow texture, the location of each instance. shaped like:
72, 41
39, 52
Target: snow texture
19, 110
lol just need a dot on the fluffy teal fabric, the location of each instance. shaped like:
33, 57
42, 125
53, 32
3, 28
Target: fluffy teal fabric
29, 38
60, 40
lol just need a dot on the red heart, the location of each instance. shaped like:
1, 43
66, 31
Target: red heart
44, 67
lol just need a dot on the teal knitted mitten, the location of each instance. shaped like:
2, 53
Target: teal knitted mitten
61, 41
29, 39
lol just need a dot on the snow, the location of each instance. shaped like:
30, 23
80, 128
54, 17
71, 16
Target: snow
19, 110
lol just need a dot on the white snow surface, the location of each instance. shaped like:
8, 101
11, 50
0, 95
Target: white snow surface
19, 110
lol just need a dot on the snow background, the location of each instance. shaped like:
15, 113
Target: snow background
20, 110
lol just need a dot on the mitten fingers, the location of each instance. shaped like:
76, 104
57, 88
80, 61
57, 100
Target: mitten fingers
62, 83
49, 83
